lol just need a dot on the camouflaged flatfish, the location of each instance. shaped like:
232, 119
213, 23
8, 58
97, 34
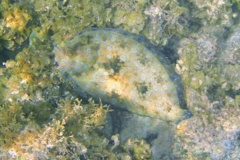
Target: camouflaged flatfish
123, 70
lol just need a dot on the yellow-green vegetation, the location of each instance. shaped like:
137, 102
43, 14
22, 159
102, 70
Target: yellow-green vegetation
198, 75
210, 73
74, 132
212, 12
204, 69
165, 21
29, 86
140, 149
12, 121
129, 15
16, 19
15, 24
188, 65
67, 18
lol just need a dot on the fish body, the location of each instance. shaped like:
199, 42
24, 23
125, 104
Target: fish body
124, 70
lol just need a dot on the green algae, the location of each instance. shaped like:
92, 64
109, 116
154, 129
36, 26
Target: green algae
15, 24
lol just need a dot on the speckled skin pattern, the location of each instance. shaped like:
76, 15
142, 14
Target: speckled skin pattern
123, 70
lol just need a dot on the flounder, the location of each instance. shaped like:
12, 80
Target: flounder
124, 70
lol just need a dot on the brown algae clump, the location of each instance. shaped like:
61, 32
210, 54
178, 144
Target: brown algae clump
15, 25
124, 70
16, 19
